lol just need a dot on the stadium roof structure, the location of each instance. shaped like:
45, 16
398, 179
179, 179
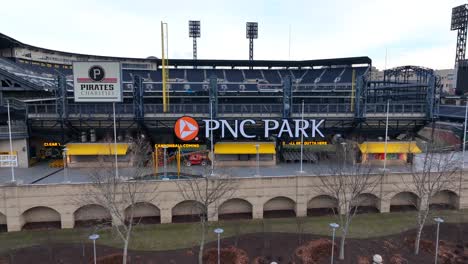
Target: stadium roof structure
9, 42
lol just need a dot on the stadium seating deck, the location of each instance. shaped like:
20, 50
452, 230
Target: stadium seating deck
192, 80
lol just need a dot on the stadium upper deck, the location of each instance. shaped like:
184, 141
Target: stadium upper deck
28, 77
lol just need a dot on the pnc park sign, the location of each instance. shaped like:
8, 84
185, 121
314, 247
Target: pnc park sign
186, 128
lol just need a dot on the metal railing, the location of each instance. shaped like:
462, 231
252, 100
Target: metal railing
396, 108
128, 109
323, 108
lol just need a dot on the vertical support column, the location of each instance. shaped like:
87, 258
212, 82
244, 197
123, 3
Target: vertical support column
68, 220
166, 215
213, 212
287, 97
384, 206
9, 203
257, 210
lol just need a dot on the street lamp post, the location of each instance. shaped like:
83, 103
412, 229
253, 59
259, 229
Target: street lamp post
11, 145
165, 161
211, 139
334, 226
257, 146
463, 149
219, 231
65, 166
302, 138
344, 152
438, 220
94, 237
115, 144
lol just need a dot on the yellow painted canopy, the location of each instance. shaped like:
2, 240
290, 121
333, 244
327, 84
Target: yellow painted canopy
244, 148
392, 147
95, 149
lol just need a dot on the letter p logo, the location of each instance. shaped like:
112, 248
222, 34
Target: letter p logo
96, 73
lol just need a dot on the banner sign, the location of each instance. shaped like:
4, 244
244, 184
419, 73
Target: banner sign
186, 128
97, 81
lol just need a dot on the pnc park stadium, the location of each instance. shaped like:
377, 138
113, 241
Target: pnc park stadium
278, 127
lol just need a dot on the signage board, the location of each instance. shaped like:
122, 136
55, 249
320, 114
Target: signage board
186, 128
97, 81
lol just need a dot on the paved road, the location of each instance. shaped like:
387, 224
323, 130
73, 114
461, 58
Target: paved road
42, 174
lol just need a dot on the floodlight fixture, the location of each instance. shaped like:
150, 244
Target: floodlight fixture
459, 17
194, 28
252, 30
251, 33
460, 23
194, 33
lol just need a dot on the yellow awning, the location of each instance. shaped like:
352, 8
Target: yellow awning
392, 147
244, 148
95, 149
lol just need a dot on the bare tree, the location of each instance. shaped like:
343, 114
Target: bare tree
206, 192
347, 184
437, 172
115, 193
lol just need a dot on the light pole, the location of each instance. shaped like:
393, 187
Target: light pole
211, 139
94, 237
334, 226
438, 220
463, 148
344, 152
302, 137
11, 145
257, 146
115, 145
165, 161
219, 231
65, 166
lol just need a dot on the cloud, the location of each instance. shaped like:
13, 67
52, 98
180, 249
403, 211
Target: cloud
415, 32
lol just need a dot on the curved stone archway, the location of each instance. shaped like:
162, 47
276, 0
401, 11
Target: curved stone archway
279, 207
187, 211
92, 215
3, 223
404, 202
144, 213
41, 217
322, 205
444, 200
366, 203
235, 208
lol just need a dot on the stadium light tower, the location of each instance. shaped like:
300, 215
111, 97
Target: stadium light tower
194, 32
460, 23
251, 34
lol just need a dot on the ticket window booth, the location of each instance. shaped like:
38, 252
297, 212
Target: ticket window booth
88, 155
398, 153
245, 153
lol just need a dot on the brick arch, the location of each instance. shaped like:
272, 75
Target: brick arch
322, 205
279, 206
404, 201
235, 208
144, 213
92, 215
41, 217
187, 211
445, 199
366, 203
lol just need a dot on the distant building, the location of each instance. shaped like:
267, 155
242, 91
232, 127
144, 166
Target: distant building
447, 77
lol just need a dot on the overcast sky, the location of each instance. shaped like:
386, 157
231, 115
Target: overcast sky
415, 32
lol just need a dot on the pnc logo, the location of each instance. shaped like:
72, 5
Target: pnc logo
186, 128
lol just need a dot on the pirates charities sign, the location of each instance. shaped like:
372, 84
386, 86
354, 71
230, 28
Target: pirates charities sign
97, 81
186, 128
